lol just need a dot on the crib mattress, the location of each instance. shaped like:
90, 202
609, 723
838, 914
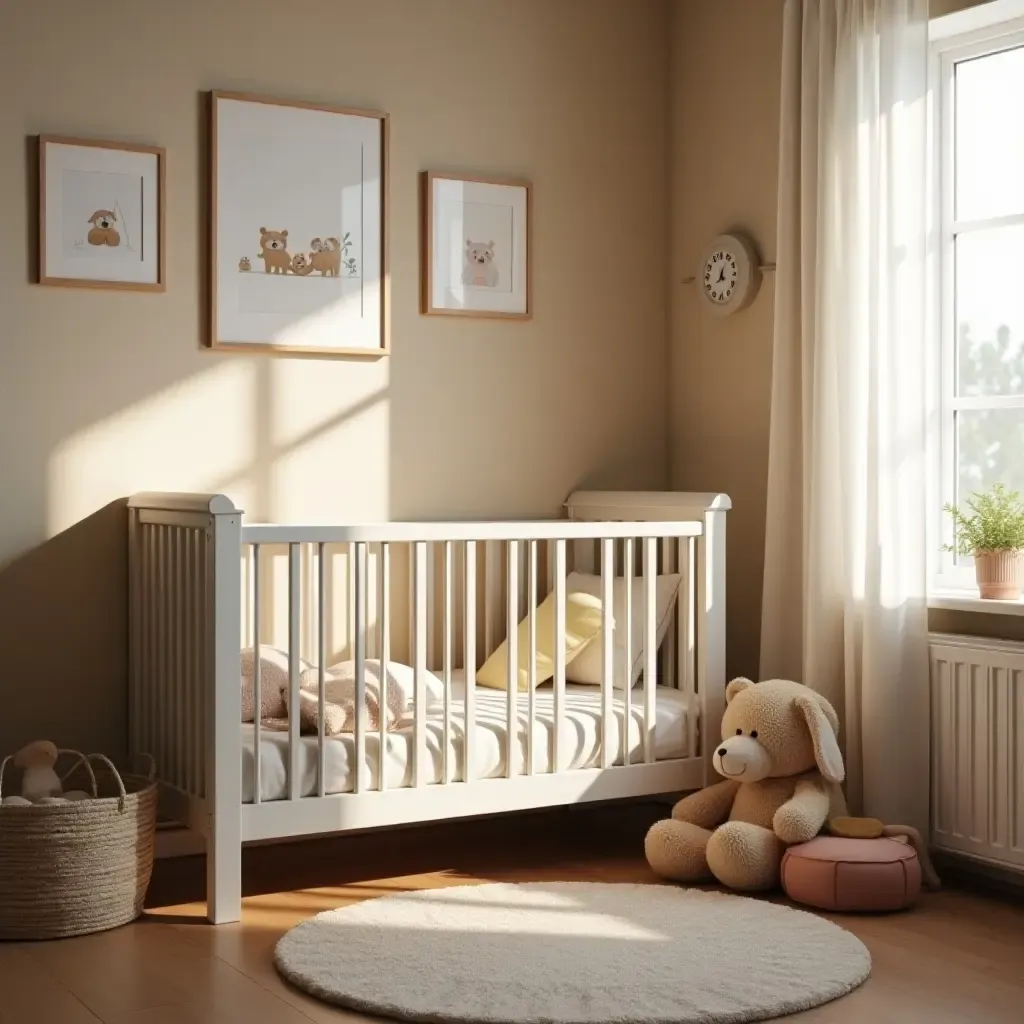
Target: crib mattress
580, 741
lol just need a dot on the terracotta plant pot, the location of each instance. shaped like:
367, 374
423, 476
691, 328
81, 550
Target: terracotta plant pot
999, 574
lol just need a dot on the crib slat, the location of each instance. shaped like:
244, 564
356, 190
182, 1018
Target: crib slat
447, 657
161, 674
145, 715
360, 660
198, 692
559, 683
469, 660
669, 553
492, 595
686, 639
512, 635
294, 610
187, 641
432, 606
419, 645
627, 714
384, 617
350, 598
650, 645
531, 611
321, 660
607, 648
257, 677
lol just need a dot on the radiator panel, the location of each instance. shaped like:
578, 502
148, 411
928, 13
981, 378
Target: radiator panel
977, 714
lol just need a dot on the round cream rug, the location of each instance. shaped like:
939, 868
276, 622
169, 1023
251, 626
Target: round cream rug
572, 952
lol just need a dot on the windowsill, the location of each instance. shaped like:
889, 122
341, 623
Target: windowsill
969, 601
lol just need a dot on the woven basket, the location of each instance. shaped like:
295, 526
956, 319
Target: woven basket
74, 868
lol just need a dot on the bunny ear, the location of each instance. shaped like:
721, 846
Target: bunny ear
826, 746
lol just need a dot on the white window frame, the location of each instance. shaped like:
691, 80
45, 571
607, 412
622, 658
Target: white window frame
948, 48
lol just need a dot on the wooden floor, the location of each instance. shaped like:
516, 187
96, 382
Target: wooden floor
958, 957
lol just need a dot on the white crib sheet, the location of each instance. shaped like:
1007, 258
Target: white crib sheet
580, 740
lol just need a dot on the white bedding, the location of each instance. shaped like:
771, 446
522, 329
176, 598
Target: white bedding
580, 740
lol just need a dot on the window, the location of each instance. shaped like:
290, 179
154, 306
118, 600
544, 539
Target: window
978, 99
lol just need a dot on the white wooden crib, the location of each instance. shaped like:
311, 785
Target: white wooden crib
439, 597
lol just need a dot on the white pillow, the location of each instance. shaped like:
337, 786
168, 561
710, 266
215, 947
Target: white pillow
402, 676
586, 666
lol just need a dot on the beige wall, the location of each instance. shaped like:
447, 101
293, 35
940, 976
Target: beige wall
103, 393
725, 97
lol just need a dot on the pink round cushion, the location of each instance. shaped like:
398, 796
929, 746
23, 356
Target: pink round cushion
852, 874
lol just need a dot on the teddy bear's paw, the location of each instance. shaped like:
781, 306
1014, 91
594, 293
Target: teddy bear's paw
793, 825
677, 850
744, 856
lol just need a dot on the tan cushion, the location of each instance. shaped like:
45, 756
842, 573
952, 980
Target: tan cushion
852, 874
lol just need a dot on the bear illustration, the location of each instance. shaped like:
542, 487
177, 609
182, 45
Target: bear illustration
274, 251
326, 256
302, 264
479, 267
244, 264
103, 231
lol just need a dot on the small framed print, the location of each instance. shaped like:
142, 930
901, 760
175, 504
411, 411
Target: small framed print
299, 198
101, 214
477, 247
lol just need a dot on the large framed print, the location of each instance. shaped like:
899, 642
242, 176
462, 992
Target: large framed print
476, 237
299, 233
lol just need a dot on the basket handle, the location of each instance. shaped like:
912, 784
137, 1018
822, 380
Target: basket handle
80, 758
117, 777
151, 760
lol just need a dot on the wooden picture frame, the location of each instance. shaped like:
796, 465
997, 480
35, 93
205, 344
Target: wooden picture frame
102, 214
332, 296
494, 273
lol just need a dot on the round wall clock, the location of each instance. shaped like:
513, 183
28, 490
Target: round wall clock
729, 275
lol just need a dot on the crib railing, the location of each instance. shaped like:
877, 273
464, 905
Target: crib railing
459, 604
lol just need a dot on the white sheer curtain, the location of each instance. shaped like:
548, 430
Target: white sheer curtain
845, 569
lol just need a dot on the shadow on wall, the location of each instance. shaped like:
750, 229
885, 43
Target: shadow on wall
63, 634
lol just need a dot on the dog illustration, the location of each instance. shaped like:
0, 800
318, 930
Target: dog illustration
274, 251
302, 265
244, 264
326, 256
479, 266
103, 231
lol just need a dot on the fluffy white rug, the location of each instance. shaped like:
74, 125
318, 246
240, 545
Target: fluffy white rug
572, 953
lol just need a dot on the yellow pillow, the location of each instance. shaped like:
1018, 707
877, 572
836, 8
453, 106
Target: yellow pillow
582, 624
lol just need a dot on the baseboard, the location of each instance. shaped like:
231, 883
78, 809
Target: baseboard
975, 873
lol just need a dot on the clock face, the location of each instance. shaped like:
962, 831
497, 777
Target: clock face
720, 276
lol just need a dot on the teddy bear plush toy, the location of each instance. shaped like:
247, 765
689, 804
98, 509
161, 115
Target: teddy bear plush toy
781, 767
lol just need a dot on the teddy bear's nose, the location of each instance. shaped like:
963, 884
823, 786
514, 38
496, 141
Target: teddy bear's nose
722, 751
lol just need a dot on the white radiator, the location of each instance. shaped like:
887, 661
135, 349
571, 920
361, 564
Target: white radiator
977, 735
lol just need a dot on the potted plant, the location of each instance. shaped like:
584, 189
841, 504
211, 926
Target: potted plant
992, 531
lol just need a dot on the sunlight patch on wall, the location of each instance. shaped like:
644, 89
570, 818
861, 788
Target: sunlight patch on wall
332, 443
185, 438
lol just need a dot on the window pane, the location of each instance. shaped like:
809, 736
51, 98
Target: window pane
990, 311
990, 450
990, 135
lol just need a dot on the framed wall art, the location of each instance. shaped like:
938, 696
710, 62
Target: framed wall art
476, 240
299, 232
101, 214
